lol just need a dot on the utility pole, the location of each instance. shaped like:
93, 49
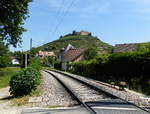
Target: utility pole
30, 44
26, 54
26, 60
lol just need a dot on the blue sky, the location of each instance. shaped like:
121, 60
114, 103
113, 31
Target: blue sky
113, 21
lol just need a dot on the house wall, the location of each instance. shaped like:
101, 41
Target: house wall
84, 33
80, 58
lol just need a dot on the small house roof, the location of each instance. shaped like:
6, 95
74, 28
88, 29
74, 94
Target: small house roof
72, 54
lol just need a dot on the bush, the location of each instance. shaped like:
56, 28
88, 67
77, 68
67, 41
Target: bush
57, 65
24, 82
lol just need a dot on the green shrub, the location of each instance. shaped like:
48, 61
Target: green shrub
57, 65
24, 82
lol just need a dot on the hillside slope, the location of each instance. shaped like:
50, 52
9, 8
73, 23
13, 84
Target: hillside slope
130, 47
77, 41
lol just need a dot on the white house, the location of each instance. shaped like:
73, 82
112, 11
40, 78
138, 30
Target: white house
15, 61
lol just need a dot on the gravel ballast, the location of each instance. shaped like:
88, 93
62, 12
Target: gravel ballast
53, 94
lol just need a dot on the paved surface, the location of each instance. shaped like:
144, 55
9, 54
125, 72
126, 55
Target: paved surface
72, 110
6, 107
115, 107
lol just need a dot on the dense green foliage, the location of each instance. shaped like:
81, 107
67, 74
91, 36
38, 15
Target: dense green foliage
27, 80
57, 65
90, 53
133, 68
48, 61
33, 52
24, 82
12, 15
78, 41
5, 58
5, 61
3, 49
142, 47
35, 63
6, 74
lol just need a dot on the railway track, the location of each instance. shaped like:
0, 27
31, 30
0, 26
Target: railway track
88, 95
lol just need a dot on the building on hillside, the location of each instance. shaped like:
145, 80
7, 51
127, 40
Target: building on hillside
125, 47
43, 54
71, 54
83, 33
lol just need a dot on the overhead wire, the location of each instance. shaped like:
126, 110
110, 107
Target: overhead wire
60, 9
63, 17
39, 44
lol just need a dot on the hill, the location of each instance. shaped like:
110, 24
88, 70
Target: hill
129, 47
78, 41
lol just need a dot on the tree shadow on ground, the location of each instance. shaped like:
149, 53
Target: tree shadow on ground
7, 98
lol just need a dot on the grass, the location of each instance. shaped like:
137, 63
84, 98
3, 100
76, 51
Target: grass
20, 100
24, 100
6, 74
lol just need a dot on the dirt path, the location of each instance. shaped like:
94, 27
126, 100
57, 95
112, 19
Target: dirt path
6, 107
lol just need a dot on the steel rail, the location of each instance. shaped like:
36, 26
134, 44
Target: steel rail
87, 107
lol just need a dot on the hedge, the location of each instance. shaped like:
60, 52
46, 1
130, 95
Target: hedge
131, 67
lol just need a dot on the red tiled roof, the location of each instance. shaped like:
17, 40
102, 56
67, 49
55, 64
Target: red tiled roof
46, 53
72, 54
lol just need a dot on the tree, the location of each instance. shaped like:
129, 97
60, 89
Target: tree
3, 49
90, 53
90, 34
48, 61
60, 37
12, 15
74, 32
33, 52
4, 55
